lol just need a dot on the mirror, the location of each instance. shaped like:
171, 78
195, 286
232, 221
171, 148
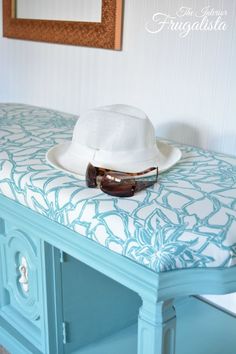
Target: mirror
60, 10
91, 23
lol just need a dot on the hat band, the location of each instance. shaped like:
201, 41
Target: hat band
129, 161
101, 156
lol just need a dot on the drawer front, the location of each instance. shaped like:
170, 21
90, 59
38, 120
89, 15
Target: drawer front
20, 279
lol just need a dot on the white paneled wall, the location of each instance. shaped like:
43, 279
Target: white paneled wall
186, 85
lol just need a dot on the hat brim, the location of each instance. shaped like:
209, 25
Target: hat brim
168, 157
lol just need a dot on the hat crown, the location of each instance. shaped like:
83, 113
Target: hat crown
116, 137
115, 128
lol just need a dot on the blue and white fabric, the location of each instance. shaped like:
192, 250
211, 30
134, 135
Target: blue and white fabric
187, 220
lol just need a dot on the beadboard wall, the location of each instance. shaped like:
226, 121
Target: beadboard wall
187, 86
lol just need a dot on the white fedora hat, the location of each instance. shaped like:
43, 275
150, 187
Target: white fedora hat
117, 137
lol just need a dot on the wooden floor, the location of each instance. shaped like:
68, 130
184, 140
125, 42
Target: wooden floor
2, 351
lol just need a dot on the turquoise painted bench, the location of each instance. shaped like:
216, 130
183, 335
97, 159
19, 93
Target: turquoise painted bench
77, 265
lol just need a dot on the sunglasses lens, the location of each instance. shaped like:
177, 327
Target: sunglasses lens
119, 184
91, 175
117, 189
142, 185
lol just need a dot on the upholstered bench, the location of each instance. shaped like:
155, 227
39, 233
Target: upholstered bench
77, 265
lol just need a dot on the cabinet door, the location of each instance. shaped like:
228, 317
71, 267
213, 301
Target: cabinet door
93, 306
21, 283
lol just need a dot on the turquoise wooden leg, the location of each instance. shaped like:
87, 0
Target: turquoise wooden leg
156, 328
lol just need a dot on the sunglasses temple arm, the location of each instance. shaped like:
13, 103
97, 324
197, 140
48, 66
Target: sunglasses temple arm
143, 172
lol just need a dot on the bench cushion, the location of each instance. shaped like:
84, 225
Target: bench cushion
187, 220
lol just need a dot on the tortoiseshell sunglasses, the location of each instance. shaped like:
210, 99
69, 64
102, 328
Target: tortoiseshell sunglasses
119, 184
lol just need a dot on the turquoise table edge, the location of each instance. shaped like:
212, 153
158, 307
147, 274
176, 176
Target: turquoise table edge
144, 281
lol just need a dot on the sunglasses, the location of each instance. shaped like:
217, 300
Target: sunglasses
119, 184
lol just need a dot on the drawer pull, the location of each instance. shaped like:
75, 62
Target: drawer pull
23, 280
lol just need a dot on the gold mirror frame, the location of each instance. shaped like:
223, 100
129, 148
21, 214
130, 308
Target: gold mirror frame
105, 34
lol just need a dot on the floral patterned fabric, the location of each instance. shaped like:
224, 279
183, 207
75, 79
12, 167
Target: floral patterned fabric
187, 220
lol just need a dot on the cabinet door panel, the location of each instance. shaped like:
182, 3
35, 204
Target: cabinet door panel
20, 279
94, 306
